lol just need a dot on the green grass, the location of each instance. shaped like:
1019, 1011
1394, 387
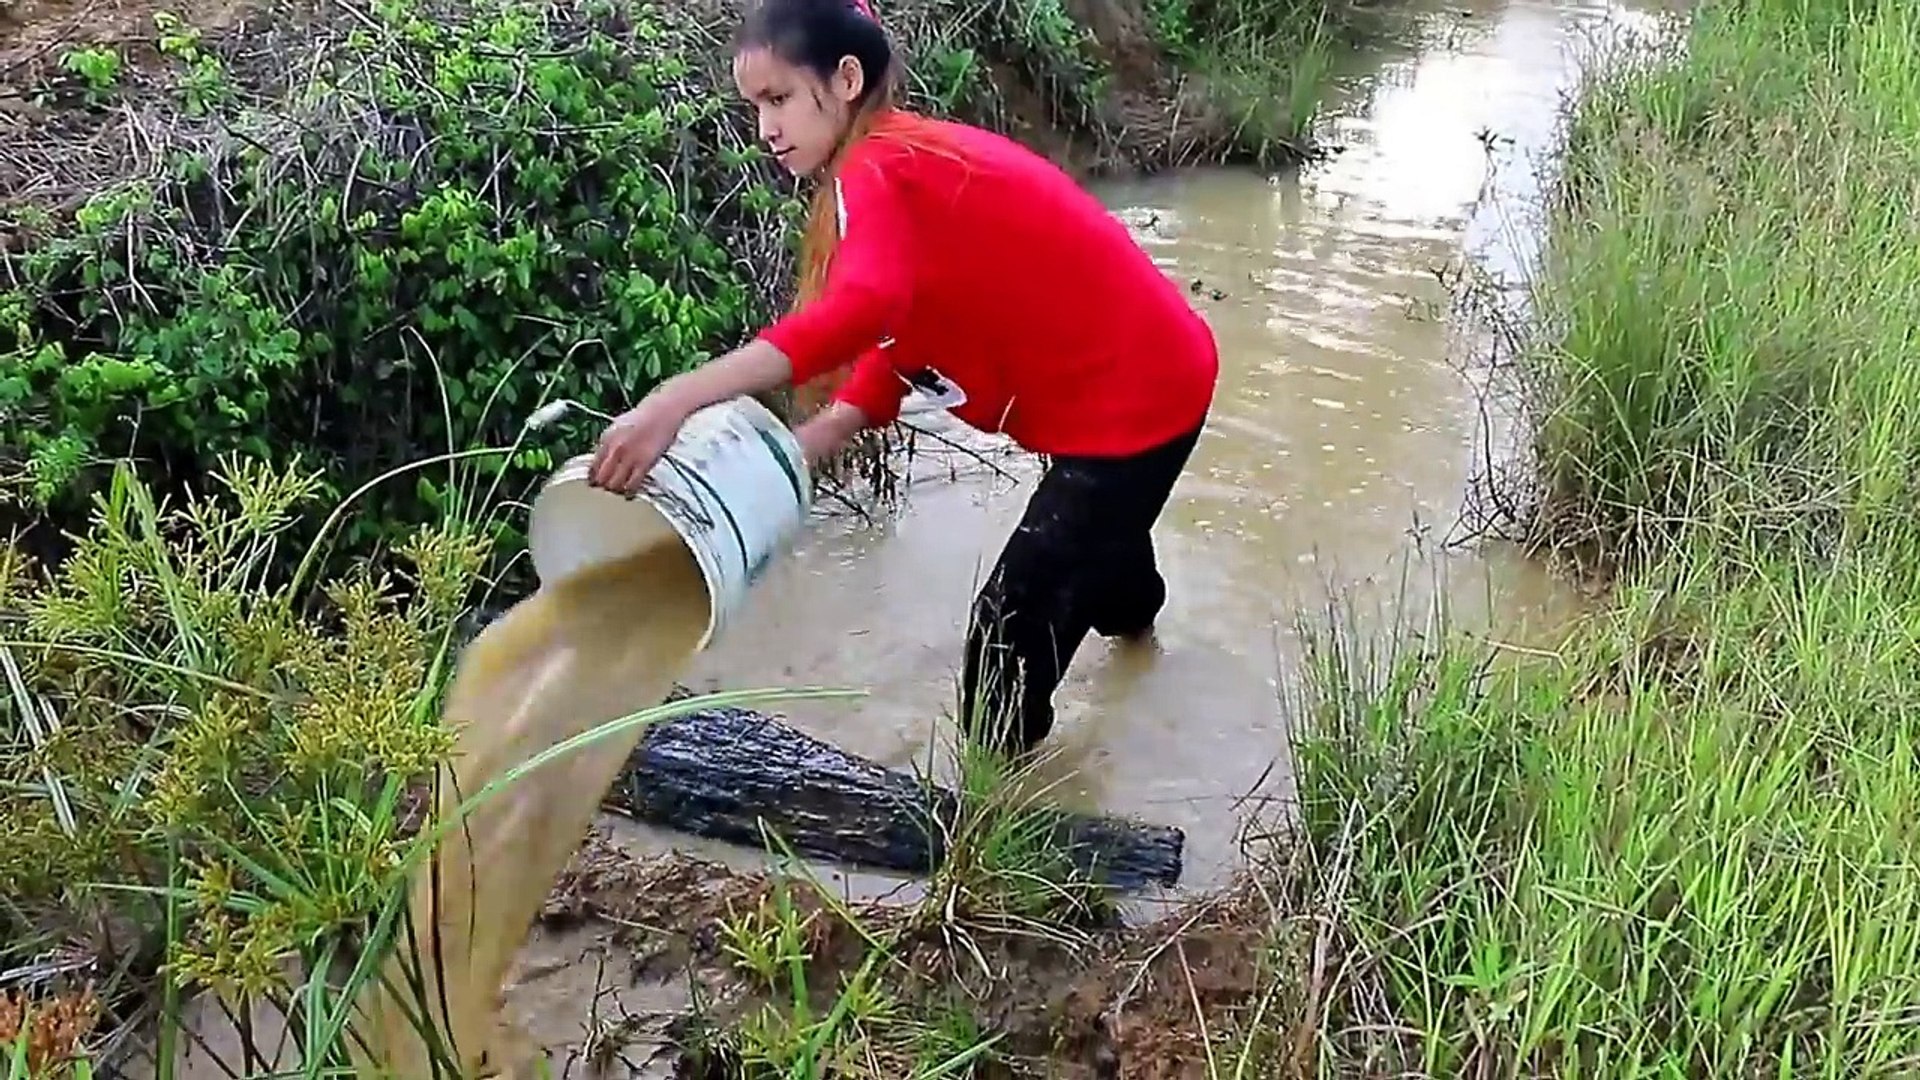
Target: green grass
1265, 63
1682, 846
1002, 877
800, 1029
1734, 291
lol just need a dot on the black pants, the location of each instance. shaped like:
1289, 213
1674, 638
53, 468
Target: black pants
1081, 559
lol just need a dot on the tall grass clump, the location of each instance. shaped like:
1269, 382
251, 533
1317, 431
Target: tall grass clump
1680, 843
1681, 848
216, 774
1265, 64
206, 764
1732, 286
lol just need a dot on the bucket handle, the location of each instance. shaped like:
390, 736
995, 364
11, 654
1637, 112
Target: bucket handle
554, 410
689, 511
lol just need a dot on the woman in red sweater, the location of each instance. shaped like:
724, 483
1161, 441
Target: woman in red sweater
947, 258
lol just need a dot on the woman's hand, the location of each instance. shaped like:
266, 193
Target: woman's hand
822, 436
634, 442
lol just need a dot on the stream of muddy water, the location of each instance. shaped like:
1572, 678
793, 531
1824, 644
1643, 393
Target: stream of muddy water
1346, 429
1348, 425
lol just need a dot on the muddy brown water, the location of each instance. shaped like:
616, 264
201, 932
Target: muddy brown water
581, 652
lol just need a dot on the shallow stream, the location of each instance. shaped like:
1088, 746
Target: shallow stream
1337, 460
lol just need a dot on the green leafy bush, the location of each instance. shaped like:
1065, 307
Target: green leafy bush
449, 218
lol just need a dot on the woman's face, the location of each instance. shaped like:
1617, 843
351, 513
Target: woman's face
802, 116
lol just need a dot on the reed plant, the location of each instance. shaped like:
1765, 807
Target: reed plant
1675, 844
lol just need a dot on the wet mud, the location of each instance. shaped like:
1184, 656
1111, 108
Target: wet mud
631, 953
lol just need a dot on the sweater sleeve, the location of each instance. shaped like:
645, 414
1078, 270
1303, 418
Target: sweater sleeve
867, 284
874, 389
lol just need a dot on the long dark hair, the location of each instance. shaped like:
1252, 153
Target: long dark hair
815, 34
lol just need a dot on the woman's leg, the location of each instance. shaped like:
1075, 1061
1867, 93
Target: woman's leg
1133, 592
1127, 590
1081, 559
1027, 621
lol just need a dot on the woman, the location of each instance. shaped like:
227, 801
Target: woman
944, 257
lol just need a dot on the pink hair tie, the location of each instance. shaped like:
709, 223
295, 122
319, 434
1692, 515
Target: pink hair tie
865, 7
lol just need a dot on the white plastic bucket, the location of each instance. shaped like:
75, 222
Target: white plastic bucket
733, 486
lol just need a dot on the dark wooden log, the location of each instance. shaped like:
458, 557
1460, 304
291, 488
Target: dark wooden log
724, 773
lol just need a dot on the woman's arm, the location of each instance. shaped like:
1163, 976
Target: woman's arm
635, 440
753, 368
866, 292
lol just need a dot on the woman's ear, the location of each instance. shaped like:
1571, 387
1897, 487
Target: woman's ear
849, 79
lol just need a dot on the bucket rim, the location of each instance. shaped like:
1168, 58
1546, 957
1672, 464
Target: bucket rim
781, 444
574, 473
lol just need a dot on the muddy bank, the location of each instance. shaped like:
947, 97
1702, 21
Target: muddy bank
674, 966
1086, 81
657, 945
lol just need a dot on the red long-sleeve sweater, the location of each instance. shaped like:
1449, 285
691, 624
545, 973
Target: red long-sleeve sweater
965, 256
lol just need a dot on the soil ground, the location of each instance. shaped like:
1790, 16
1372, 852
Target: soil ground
629, 973
37, 31
640, 940
57, 145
